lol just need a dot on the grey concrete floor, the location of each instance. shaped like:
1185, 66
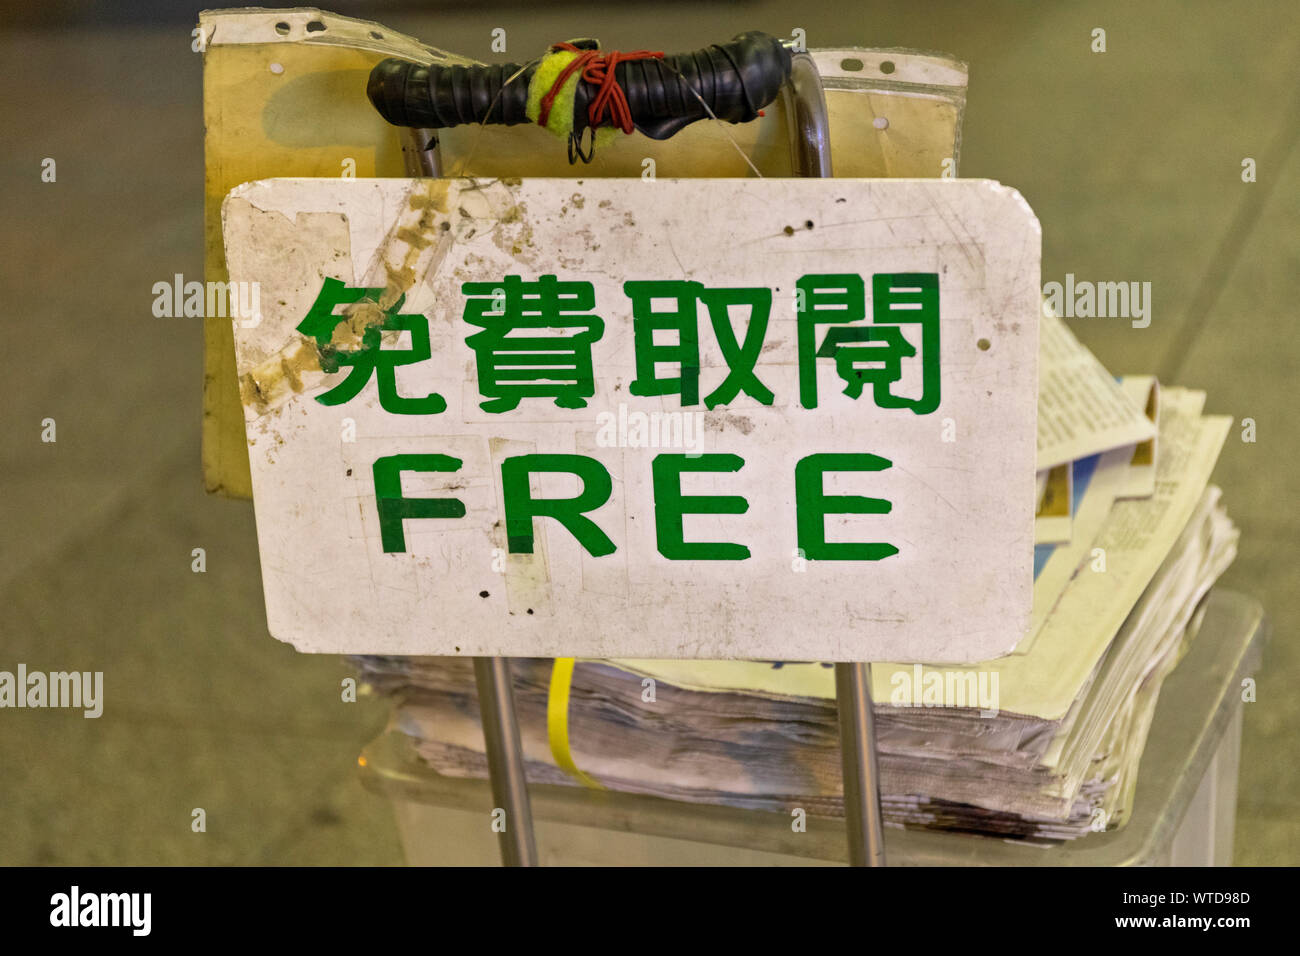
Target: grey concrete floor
1131, 159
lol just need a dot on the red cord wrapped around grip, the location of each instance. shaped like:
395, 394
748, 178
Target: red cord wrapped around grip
598, 70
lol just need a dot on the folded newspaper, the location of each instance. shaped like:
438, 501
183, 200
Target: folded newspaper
1041, 744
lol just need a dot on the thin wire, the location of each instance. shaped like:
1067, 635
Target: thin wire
713, 116
478, 137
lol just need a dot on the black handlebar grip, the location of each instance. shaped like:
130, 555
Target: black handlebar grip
735, 80
436, 97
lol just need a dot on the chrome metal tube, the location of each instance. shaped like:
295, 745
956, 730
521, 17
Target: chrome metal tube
505, 758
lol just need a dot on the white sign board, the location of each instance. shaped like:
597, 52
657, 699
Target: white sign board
772, 419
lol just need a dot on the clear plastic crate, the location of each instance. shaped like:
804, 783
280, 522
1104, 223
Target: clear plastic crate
1184, 809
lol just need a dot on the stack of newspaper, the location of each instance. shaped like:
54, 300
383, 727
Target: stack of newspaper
1041, 744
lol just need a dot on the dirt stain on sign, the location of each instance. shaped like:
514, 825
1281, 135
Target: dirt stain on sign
721, 421
280, 376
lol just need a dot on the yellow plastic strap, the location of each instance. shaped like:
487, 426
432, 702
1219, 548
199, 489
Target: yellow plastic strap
557, 721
